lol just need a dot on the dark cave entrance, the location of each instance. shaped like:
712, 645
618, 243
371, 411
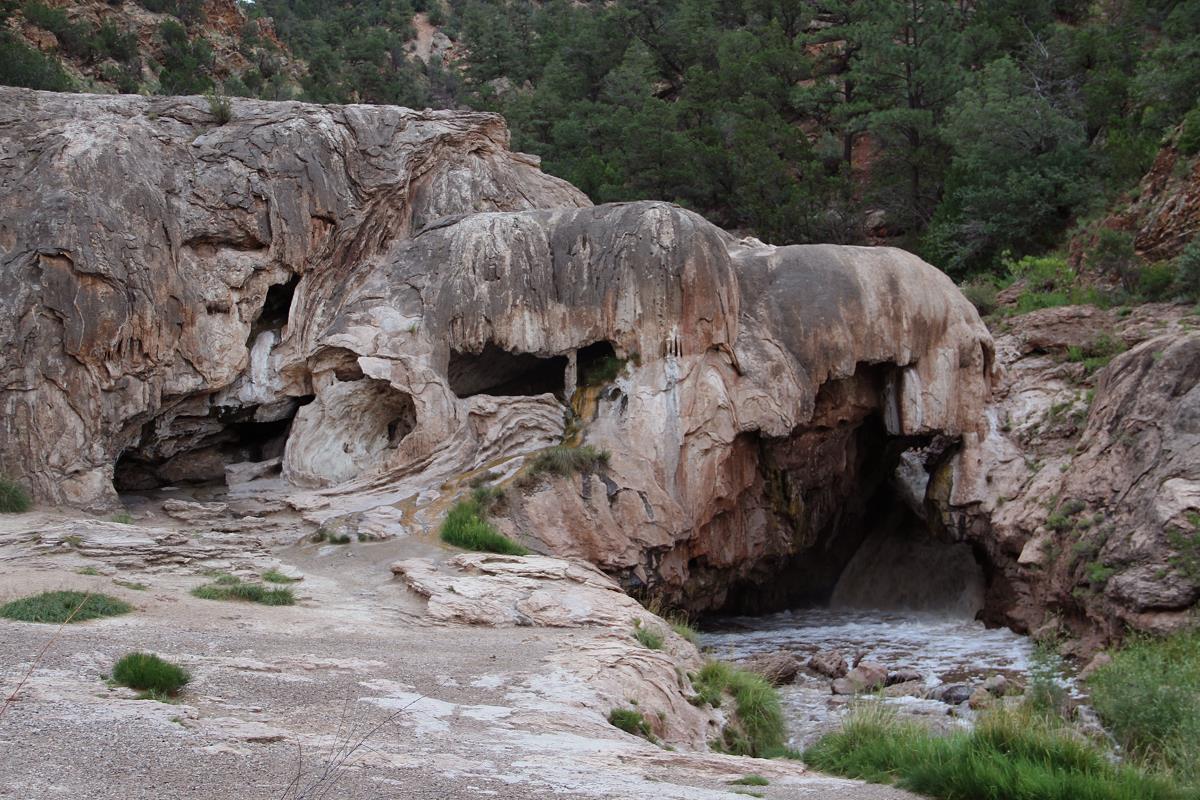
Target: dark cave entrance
274, 313
182, 449
495, 371
864, 539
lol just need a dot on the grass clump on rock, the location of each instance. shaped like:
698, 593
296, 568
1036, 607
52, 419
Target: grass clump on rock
229, 587
150, 674
13, 499
1009, 755
651, 638
63, 606
562, 460
275, 576
757, 728
466, 526
630, 721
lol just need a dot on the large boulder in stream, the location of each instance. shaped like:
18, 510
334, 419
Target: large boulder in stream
392, 303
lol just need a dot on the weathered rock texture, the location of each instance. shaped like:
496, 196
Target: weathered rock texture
391, 302
1089, 512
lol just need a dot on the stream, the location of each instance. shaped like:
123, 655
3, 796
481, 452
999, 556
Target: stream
946, 648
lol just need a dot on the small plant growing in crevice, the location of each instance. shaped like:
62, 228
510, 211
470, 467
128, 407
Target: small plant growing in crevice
13, 499
228, 587
630, 721
648, 637
63, 606
153, 676
220, 106
88, 571
750, 780
601, 371
137, 587
123, 518
562, 460
323, 535
1186, 545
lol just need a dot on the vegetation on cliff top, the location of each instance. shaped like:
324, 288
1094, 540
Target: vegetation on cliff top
970, 132
63, 606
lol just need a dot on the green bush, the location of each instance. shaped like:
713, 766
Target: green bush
149, 673
1114, 256
1009, 755
220, 106
1189, 133
275, 576
751, 780
59, 606
228, 587
982, 294
757, 728
21, 65
1149, 698
13, 499
1157, 281
1097, 353
465, 526
601, 371
1187, 270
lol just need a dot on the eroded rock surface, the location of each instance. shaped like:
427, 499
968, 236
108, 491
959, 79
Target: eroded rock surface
391, 303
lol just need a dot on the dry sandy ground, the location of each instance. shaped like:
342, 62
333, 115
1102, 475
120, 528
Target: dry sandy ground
352, 691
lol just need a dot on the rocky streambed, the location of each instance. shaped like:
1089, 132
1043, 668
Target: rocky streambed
932, 662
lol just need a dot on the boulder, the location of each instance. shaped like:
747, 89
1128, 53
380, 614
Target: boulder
866, 677
829, 663
953, 694
980, 698
904, 675
778, 668
997, 685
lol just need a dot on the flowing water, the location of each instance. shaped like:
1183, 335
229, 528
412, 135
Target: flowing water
945, 648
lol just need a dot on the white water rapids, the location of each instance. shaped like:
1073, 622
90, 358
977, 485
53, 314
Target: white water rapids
945, 649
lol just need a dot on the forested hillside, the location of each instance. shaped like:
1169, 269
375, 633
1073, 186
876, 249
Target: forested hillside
975, 133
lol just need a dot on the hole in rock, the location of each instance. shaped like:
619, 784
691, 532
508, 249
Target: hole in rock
849, 529
598, 363
274, 313
498, 372
195, 450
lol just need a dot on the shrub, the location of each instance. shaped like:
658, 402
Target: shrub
1187, 270
1189, 133
1156, 281
22, 65
1010, 755
323, 535
757, 728
751, 780
466, 527
982, 294
13, 499
150, 674
629, 721
64, 606
647, 636
1097, 353
220, 106
1149, 698
1114, 256
228, 587
601, 371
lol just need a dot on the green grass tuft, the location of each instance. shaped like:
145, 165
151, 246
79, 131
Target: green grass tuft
1010, 755
751, 780
275, 576
13, 499
466, 526
757, 728
562, 460
151, 674
651, 638
123, 518
1149, 698
88, 571
630, 721
57, 607
227, 587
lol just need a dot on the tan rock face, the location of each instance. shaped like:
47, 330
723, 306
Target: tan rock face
391, 302
1092, 482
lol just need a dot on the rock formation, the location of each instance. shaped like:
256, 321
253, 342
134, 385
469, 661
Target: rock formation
389, 301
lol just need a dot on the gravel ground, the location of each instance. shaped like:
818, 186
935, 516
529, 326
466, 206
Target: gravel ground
280, 694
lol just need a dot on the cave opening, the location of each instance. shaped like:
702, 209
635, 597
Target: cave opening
598, 363
220, 447
495, 371
867, 544
274, 314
